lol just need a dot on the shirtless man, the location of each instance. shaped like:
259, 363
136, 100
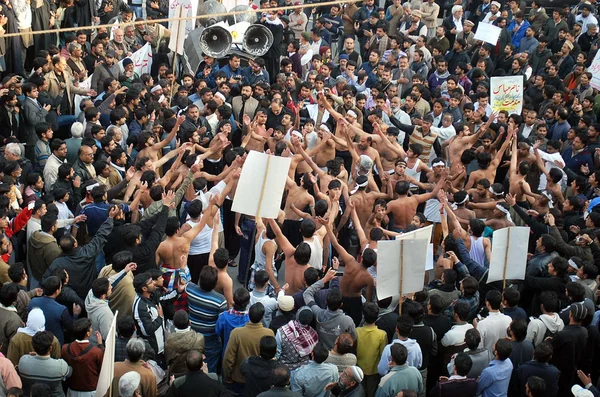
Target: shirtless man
327, 151
518, 185
258, 130
500, 217
400, 175
363, 201
356, 278
487, 165
153, 150
296, 259
300, 198
463, 140
219, 258
464, 215
480, 248
404, 207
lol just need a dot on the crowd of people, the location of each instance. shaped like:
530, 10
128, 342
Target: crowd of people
116, 203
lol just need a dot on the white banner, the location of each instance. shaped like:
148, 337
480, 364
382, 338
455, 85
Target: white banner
488, 33
107, 371
142, 60
260, 188
594, 69
506, 93
190, 8
178, 32
509, 254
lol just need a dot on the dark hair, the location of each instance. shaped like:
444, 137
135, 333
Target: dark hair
462, 310
463, 364
503, 349
121, 259
48, 221
543, 352
181, 319
256, 312
399, 353
536, 386
126, 326
370, 312
280, 376
241, 298
194, 361
334, 299
81, 327
511, 296
8, 294
494, 298
268, 347
320, 353
51, 285
15, 272
42, 342
472, 338
518, 328
436, 304
311, 276
549, 300
208, 278
302, 253
100, 286
404, 325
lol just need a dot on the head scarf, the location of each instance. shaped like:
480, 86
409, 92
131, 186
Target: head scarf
303, 337
36, 322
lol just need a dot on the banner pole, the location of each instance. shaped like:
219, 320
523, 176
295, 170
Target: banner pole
262, 191
506, 257
401, 271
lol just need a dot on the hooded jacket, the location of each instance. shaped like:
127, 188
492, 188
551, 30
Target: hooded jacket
177, 346
46, 251
330, 324
258, 372
536, 330
99, 312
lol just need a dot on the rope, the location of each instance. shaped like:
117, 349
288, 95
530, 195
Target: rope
122, 24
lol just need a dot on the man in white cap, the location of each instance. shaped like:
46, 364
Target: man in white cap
416, 28
349, 384
493, 13
129, 385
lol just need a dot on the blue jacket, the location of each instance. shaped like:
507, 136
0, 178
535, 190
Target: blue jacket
519, 34
574, 163
227, 322
57, 316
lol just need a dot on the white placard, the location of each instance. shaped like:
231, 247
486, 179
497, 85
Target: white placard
423, 233
142, 60
594, 69
263, 176
429, 263
190, 8
516, 245
177, 32
107, 370
397, 273
506, 93
488, 33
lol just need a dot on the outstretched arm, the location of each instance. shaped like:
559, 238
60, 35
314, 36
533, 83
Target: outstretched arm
298, 148
281, 240
346, 257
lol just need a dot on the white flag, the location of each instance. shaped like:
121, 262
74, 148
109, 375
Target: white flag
178, 32
142, 60
107, 372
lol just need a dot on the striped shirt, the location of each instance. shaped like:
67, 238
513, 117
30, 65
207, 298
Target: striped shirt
47, 370
424, 140
205, 308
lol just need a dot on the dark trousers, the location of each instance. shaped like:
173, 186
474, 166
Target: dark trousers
248, 227
232, 240
195, 264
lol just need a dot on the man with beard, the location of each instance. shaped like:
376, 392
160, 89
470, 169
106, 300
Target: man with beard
103, 70
118, 45
58, 157
94, 57
440, 75
504, 62
349, 51
194, 122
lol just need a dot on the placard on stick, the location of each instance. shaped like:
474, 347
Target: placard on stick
401, 263
509, 254
260, 188
488, 33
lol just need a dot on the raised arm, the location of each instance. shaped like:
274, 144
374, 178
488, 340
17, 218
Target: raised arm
513, 159
172, 134
298, 148
346, 257
282, 241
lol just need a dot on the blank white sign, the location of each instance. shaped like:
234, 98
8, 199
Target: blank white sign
517, 254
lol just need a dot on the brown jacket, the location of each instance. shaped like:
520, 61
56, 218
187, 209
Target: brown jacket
9, 323
148, 382
178, 345
20, 344
54, 89
243, 343
123, 294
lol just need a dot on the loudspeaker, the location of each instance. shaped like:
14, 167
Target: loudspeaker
249, 16
258, 40
208, 8
215, 41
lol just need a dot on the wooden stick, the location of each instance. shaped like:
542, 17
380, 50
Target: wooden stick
401, 271
262, 192
193, 17
506, 258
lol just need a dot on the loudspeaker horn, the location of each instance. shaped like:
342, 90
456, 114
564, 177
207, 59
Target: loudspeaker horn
249, 16
215, 41
258, 40
208, 8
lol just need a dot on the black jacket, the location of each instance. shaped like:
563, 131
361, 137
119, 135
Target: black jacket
194, 383
549, 373
144, 254
258, 372
569, 346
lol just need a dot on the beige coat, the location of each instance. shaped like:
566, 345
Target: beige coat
430, 13
54, 89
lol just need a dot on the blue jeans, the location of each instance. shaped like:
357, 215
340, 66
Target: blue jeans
100, 261
212, 352
248, 227
137, 11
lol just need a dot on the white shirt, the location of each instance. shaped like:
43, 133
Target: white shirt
458, 24
456, 335
492, 328
587, 20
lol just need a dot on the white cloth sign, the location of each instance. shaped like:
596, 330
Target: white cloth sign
506, 93
488, 33
107, 371
260, 188
514, 241
142, 60
401, 270
178, 31
190, 8
594, 69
